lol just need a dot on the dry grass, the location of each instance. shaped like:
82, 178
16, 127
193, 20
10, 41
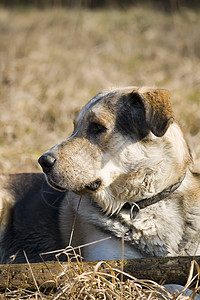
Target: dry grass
53, 61
103, 282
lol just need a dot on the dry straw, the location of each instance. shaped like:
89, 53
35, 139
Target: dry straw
103, 282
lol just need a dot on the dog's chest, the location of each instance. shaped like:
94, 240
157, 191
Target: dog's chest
102, 245
156, 231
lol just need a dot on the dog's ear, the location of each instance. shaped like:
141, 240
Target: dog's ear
158, 110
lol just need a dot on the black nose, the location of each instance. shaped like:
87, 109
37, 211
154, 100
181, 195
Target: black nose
47, 161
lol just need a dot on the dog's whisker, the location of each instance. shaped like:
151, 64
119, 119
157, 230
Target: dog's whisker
43, 193
74, 222
69, 248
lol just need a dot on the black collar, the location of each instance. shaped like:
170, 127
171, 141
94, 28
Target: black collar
136, 206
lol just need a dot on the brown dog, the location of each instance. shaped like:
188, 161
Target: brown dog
125, 171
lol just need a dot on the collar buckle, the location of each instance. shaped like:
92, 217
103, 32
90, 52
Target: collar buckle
135, 209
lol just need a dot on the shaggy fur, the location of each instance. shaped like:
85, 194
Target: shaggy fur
125, 147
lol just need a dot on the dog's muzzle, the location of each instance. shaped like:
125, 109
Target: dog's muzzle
47, 161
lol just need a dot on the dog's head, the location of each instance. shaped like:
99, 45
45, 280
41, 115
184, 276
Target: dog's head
125, 146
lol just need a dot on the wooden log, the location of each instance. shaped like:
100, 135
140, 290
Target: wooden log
50, 275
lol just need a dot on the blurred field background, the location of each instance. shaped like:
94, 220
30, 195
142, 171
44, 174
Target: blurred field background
54, 58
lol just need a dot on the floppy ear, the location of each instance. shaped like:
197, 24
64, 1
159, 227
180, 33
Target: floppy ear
158, 110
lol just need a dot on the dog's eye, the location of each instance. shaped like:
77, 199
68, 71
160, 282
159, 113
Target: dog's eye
96, 128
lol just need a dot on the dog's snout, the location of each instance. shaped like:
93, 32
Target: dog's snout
47, 161
93, 186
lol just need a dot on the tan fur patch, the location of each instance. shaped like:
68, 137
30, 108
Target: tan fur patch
6, 203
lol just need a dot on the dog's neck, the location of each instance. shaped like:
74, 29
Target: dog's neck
178, 211
138, 193
143, 203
